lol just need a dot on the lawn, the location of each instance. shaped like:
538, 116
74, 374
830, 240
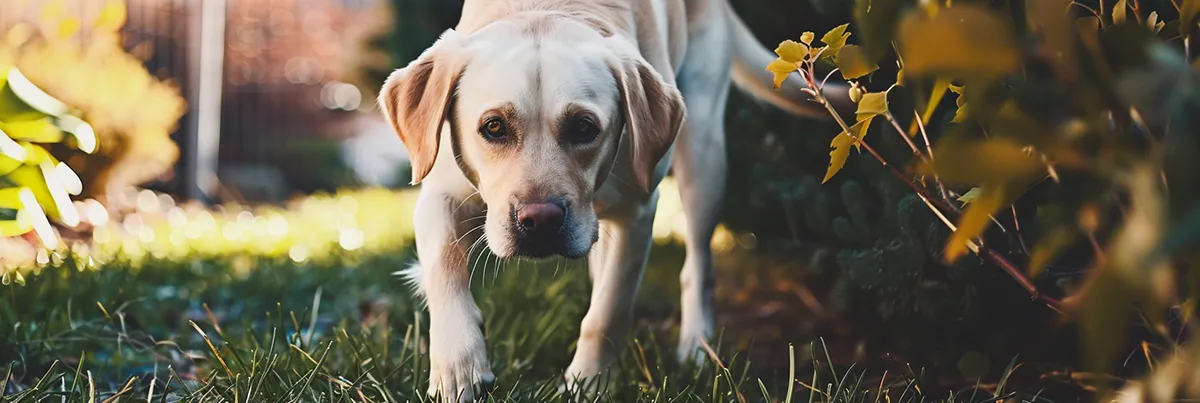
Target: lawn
300, 304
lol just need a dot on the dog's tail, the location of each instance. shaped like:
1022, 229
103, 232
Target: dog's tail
750, 60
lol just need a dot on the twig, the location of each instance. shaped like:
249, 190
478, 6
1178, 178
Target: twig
987, 253
929, 149
892, 119
1020, 236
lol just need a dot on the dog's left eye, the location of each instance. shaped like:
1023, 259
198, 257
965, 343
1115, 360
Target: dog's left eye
581, 130
493, 129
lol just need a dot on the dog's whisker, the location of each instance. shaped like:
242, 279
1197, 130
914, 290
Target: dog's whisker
465, 200
471, 274
611, 237
464, 235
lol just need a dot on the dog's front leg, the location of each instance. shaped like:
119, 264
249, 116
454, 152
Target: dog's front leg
459, 369
621, 256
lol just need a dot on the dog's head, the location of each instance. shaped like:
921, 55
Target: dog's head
538, 109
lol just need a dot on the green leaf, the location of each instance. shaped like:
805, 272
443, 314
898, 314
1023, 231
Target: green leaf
853, 63
840, 147
965, 40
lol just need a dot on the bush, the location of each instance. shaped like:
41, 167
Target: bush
83, 64
1035, 130
35, 187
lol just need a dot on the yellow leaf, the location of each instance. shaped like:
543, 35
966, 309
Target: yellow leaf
68, 28
853, 63
1118, 12
835, 39
872, 103
782, 69
1187, 16
36, 131
970, 195
807, 37
16, 36
996, 160
49, 190
939, 90
964, 40
791, 52
957, 89
112, 17
53, 12
840, 147
935, 97
30, 216
975, 219
961, 114
1053, 243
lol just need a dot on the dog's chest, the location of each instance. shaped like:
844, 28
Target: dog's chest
619, 196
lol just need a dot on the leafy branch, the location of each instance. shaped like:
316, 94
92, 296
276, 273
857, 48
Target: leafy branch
803, 57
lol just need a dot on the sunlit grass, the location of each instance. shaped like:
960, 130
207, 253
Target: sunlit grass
186, 304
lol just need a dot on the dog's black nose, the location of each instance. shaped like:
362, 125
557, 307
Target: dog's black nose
540, 219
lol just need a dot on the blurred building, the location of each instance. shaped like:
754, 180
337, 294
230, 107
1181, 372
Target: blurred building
284, 108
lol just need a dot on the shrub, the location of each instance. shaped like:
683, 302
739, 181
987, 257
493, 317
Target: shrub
1036, 130
35, 187
83, 64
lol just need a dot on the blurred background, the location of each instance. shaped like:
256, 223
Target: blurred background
242, 162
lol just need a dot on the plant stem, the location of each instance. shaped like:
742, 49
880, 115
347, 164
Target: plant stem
984, 251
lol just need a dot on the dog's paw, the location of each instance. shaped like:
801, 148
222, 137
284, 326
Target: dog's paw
461, 378
458, 370
692, 336
580, 389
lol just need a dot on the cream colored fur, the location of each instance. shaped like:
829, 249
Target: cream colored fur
651, 76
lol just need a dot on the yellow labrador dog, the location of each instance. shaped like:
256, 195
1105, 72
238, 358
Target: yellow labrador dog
544, 127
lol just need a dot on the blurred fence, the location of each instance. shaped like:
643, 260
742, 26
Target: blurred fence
279, 118
282, 106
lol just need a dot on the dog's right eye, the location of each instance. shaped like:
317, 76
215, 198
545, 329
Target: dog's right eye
493, 129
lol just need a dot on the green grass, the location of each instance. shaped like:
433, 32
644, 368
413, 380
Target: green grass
241, 329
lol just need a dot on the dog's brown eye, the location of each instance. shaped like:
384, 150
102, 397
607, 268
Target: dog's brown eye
582, 130
493, 129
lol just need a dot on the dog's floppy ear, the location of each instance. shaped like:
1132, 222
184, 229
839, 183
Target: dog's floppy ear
415, 99
654, 113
